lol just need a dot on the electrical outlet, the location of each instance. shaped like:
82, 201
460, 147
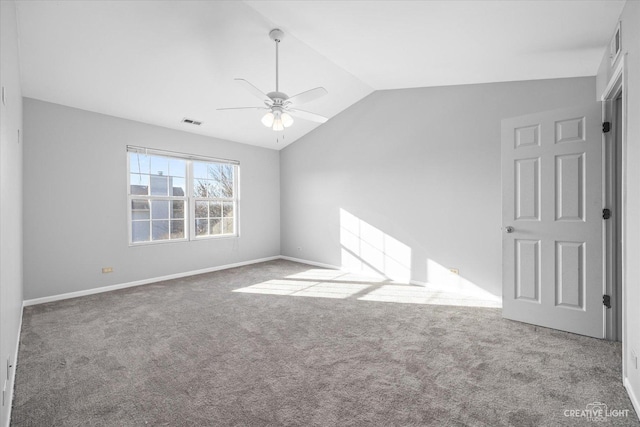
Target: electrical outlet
107, 270
8, 368
454, 270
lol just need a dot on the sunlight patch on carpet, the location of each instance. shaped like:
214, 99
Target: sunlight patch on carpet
305, 288
423, 295
340, 284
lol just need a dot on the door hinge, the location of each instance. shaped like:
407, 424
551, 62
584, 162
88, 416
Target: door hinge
606, 300
606, 213
606, 127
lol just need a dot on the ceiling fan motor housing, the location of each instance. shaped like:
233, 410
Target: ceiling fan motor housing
278, 97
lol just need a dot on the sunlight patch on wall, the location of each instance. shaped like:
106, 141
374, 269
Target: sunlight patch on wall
367, 249
442, 279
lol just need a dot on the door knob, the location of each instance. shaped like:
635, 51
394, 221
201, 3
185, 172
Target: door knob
509, 229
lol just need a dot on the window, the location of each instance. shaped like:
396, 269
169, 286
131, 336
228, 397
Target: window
174, 197
213, 191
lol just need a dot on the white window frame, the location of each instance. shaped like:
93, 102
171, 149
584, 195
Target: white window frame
189, 197
193, 199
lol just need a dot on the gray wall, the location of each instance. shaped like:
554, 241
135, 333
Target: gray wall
630, 29
420, 165
10, 199
75, 207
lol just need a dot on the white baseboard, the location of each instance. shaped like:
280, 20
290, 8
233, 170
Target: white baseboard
109, 288
632, 396
102, 289
12, 384
306, 261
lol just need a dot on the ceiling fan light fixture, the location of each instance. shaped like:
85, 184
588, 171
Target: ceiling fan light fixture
268, 119
287, 120
277, 124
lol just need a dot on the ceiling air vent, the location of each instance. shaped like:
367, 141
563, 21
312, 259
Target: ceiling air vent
191, 122
614, 46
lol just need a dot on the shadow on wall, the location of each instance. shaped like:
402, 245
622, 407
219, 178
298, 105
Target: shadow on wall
377, 267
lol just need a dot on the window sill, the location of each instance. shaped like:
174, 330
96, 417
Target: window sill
196, 239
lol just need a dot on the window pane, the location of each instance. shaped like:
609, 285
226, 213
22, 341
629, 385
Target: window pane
159, 185
140, 231
177, 187
226, 190
160, 209
227, 170
214, 190
138, 163
213, 171
199, 170
160, 230
216, 226
226, 181
138, 204
228, 209
139, 190
201, 209
139, 184
200, 188
177, 167
159, 165
202, 227
140, 214
177, 229
215, 210
177, 209
227, 226
140, 209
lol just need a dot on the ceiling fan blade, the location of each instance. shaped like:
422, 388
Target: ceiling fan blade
243, 108
307, 115
254, 90
308, 96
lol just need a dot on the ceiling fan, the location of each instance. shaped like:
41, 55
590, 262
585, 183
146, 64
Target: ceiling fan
279, 105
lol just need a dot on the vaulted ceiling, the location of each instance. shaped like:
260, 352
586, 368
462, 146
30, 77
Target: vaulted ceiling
160, 61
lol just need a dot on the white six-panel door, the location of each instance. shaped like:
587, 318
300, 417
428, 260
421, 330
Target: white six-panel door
552, 220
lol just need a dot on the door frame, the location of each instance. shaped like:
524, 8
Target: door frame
616, 87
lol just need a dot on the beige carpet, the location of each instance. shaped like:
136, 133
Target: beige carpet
313, 349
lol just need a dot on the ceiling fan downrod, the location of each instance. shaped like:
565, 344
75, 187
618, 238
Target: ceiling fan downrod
276, 35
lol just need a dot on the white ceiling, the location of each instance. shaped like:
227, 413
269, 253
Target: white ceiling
159, 61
